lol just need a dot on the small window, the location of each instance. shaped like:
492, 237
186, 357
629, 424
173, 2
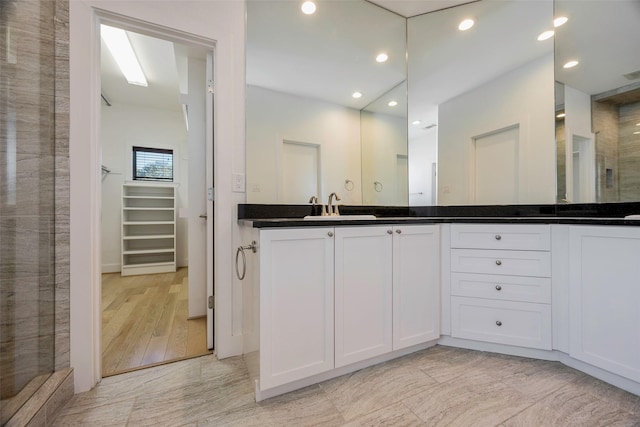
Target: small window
154, 164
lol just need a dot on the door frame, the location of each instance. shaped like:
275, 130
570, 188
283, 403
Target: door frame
84, 47
188, 40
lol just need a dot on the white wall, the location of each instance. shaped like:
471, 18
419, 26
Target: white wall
220, 21
273, 117
124, 126
384, 137
524, 96
423, 152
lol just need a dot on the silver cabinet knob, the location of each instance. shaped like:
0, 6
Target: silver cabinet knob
398, 231
389, 231
498, 237
330, 234
498, 323
498, 262
498, 288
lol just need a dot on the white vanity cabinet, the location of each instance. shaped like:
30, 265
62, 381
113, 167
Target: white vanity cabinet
330, 297
501, 285
604, 298
363, 289
296, 304
387, 289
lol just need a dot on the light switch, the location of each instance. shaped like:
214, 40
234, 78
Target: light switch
238, 183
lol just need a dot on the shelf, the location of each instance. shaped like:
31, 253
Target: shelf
150, 264
148, 223
149, 197
130, 208
149, 251
150, 236
148, 228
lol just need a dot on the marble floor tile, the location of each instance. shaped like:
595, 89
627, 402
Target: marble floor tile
608, 393
533, 378
191, 402
573, 406
107, 414
129, 386
396, 415
435, 387
369, 389
477, 400
306, 407
447, 363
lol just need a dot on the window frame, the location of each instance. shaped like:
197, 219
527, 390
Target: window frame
136, 149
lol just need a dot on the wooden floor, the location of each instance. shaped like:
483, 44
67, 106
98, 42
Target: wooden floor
144, 321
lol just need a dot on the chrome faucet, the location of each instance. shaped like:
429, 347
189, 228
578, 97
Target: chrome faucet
333, 211
314, 200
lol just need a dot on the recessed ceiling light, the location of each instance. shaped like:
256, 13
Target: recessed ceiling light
560, 20
308, 8
560, 115
637, 124
637, 133
357, 95
466, 24
545, 35
415, 122
570, 64
382, 57
392, 103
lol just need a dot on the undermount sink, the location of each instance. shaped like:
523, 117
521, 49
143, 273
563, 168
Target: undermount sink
338, 217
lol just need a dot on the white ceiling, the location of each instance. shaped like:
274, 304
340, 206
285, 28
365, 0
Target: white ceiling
332, 52
164, 64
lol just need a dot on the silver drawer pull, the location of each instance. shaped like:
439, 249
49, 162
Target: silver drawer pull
498, 237
389, 231
330, 234
498, 262
398, 231
498, 288
498, 323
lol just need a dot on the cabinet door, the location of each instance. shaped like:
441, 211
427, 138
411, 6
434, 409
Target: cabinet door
604, 286
363, 279
296, 304
416, 289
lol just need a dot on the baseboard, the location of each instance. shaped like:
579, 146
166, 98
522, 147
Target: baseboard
111, 268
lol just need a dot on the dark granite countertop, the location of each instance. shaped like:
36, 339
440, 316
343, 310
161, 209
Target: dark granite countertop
273, 216
298, 222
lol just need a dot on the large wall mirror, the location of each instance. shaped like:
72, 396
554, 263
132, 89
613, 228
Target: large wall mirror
452, 117
326, 103
598, 101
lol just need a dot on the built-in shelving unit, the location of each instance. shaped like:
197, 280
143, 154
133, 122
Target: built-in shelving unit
148, 228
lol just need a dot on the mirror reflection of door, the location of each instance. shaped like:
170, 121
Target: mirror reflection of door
497, 167
153, 312
299, 172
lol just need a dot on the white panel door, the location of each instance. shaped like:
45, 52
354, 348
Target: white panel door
363, 288
296, 304
299, 172
416, 285
604, 286
496, 167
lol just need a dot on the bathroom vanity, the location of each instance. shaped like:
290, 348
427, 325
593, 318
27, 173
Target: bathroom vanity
324, 298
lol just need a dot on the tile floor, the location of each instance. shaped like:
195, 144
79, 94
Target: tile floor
434, 387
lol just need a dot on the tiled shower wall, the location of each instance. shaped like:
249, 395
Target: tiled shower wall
34, 191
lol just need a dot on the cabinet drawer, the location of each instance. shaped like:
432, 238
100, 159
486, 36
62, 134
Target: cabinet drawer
510, 288
503, 322
501, 236
515, 263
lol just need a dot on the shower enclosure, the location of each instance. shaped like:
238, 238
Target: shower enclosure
27, 200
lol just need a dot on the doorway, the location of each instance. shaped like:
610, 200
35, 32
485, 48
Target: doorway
156, 143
